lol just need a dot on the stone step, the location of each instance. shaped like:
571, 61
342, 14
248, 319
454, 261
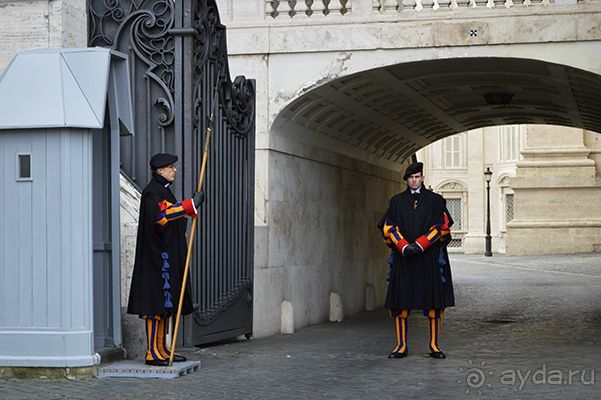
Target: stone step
137, 369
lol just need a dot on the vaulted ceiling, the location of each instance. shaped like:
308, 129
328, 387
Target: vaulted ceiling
392, 112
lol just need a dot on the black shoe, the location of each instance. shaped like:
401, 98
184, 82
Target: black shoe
398, 354
438, 355
178, 358
157, 363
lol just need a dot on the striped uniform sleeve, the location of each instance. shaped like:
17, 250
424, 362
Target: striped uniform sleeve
393, 237
445, 229
389, 243
170, 212
435, 233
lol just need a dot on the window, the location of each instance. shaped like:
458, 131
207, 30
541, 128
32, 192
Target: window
454, 207
455, 243
509, 207
510, 143
24, 167
455, 194
453, 151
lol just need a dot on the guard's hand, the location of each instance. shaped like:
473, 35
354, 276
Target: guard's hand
198, 198
412, 250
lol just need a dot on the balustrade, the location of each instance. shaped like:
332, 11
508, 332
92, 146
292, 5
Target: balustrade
318, 8
297, 9
306, 8
387, 6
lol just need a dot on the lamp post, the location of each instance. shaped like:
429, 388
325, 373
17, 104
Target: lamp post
488, 176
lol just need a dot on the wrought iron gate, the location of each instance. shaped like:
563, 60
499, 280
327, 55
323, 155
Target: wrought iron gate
178, 58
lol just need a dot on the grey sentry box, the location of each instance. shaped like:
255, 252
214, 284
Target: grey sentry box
61, 114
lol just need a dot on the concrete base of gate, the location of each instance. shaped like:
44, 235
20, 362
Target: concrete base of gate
137, 369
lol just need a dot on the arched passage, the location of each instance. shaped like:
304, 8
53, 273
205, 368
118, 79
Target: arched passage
393, 111
337, 150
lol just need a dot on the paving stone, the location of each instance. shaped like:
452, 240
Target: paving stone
520, 317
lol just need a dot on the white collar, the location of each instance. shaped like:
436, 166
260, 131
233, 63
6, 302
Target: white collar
416, 190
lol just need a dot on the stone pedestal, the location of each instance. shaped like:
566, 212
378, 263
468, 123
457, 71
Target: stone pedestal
137, 369
557, 192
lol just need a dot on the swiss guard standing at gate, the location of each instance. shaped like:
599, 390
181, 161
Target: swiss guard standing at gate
160, 257
416, 227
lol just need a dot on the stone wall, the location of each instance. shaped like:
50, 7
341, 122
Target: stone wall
133, 333
592, 141
32, 24
320, 237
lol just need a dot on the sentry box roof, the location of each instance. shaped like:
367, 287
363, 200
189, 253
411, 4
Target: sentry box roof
52, 88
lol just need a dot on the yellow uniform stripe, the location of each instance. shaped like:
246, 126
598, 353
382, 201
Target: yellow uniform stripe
400, 322
433, 335
155, 343
435, 324
404, 334
161, 339
433, 233
391, 232
148, 338
398, 334
388, 235
166, 330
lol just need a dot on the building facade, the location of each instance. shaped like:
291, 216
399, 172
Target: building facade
455, 166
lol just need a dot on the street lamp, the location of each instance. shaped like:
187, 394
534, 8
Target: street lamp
488, 176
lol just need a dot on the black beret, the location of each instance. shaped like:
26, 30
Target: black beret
413, 169
162, 160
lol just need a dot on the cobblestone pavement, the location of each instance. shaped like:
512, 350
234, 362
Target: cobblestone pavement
523, 327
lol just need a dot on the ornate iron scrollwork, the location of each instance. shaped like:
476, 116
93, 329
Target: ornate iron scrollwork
238, 97
147, 25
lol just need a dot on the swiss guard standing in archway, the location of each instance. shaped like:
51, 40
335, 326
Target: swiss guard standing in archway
161, 251
416, 226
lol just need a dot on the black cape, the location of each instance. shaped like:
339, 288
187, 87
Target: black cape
148, 293
421, 281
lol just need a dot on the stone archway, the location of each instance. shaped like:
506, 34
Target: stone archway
392, 111
365, 124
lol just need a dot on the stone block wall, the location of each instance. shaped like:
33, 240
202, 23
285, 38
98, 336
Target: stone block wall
33, 24
133, 333
321, 236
